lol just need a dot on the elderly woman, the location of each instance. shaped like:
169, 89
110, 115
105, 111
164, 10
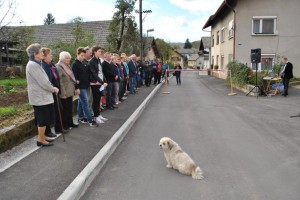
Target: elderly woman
67, 85
40, 92
52, 73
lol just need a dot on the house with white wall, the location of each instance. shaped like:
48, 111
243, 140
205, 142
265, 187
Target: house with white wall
238, 26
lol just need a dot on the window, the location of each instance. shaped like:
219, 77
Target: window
264, 25
230, 28
223, 35
212, 61
218, 37
267, 61
217, 61
212, 40
222, 62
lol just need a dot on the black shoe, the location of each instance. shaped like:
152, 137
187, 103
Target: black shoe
93, 124
49, 140
115, 107
50, 135
43, 145
73, 125
83, 120
111, 108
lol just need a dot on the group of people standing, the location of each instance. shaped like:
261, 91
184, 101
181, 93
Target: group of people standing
93, 75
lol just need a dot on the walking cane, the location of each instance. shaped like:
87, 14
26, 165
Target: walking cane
60, 120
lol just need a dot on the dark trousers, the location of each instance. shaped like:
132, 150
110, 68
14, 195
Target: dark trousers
121, 89
154, 74
57, 125
67, 114
178, 79
96, 99
125, 85
147, 78
158, 74
286, 82
109, 94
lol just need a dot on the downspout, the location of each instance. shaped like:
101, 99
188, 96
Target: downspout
234, 28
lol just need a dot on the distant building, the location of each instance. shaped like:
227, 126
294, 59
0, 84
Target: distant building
176, 57
187, 52
194, 61
204, 50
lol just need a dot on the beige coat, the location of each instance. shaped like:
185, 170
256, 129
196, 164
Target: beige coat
39, 87
67, 87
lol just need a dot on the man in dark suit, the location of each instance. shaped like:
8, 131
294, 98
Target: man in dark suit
111, 77
286, 75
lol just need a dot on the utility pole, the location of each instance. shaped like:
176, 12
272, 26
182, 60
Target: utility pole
141, 29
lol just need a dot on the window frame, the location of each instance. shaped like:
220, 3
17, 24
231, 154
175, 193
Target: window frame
231, 29
261, 18
259, 65
223, 35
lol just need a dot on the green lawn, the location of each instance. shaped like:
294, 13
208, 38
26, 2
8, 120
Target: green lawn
13, 82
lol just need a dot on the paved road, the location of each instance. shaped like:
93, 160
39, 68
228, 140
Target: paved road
47, 172
248, 148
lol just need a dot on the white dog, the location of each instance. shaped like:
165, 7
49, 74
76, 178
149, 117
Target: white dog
178, 159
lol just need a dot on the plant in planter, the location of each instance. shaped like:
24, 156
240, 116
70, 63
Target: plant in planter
239, 73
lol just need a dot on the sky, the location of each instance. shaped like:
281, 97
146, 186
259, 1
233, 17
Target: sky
172, 20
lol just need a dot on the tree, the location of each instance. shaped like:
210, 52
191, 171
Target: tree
187, 44
24, 36
164, 49
131, 42
49, 19
7, 13
119, 25
81, 39
76, 20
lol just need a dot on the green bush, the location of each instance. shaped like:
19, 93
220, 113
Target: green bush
239, 73
277, 68
260, 76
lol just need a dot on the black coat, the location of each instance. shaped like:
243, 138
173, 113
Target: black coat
94, 70
81, 73
288, 71
109, 71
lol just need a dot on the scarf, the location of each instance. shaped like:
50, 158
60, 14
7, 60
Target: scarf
67, 69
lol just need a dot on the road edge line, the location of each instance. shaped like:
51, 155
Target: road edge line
83, 180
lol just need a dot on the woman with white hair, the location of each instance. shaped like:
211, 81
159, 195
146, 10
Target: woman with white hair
40, 92
67, 85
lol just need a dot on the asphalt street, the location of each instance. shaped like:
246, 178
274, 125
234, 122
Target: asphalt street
44, 173
247, 147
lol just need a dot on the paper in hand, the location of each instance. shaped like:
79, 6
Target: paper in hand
101, 88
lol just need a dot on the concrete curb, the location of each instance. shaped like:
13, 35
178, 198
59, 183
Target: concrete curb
22, 132
79, 185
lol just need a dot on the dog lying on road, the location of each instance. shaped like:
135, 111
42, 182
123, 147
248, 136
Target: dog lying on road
178, 159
